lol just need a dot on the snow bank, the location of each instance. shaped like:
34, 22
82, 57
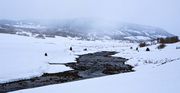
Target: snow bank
164, 79
23, 57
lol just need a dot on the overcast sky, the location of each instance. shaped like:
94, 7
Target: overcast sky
160, 13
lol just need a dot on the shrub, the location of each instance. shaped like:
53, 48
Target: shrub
147, 49
45, 54
85, 49
143, 44
70, 48
137, 49
40, 36
131, 47
161, 46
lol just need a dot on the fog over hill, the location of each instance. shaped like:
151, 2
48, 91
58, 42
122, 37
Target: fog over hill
90, 29
159, 13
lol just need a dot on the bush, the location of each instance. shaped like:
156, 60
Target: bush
143, 44
40, 36
137, 49
147, 49
70, 48
161, 46
131, 47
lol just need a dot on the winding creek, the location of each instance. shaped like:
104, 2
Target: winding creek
86, 66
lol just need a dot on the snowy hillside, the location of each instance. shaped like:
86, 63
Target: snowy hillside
21, 24
86, 29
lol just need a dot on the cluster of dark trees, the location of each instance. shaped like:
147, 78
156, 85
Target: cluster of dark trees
173, 39
142, 44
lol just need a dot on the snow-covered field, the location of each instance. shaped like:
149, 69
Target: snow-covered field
23, 57
164, 79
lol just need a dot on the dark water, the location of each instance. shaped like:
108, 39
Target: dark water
87, 66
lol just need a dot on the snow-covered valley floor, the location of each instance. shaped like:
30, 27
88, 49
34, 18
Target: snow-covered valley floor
23, 57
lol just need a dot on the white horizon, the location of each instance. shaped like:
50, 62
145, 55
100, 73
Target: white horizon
159, 13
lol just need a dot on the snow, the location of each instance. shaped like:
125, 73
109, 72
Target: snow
142, 38
164, 79
29, 26
137, 38
134, 31
23, 57
20, 58
155, 56
57, 68
21, 32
